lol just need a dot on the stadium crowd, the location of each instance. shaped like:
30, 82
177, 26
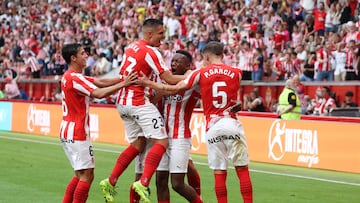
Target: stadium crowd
270, 40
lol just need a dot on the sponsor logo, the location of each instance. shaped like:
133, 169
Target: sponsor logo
38, 118
301, 142
176, 98
197, 127
222, 138
94, 126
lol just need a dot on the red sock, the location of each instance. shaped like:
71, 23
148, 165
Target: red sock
151, 163
134, 196
220, 188
122, 163
194, 182
81, 192
70, 188
197, 199
164, 201
245, 184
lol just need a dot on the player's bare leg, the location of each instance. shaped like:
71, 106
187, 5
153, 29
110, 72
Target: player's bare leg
162, 188
178, 184
193, 177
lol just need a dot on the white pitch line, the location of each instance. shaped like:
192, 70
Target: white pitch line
199, 163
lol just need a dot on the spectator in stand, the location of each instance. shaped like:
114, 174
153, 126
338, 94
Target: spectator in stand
245, 58
56, 95
324, 102
300, 89
31, 64
23, 94
340, 61
348, 102
258, 66
253, 102
11, 89
323, 67
350, 61
308, 72
289, 102
319, 19
58, 64
102, 65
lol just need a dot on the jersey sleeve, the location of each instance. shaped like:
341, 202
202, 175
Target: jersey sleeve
83, 84
155, 60
192, 79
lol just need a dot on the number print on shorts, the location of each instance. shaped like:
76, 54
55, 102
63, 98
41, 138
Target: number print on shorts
218, 93
91, 151
159, 122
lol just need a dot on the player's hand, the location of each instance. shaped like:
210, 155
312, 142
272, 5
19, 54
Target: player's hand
131, 78
142, 79
234, 108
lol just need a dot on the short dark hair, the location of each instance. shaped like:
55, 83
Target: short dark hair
214, 47
349, 94
185, 53
152, 22
69, 50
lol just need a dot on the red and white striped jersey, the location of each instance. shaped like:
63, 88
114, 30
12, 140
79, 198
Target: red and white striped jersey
246, 60
321, 54
350, 60
32, 62
296, 39
352, 36
139, 57
257, 43
76, 89
177, 112
219, 85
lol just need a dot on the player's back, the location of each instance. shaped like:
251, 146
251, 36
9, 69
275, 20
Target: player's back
219, 85
139, 57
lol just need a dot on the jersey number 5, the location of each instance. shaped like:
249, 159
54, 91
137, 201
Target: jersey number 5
218, 93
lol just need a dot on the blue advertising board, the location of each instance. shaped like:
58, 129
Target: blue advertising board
5, 116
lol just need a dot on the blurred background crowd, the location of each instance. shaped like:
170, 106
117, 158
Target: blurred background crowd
270, 40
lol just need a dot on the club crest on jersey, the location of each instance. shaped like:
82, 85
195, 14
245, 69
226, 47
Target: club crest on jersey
217, 71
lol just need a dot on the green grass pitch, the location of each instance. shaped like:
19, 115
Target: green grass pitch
34, 169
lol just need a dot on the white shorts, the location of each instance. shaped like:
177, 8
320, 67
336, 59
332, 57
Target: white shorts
140, 158
144, 119
226, 141
177, 156
80, 154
